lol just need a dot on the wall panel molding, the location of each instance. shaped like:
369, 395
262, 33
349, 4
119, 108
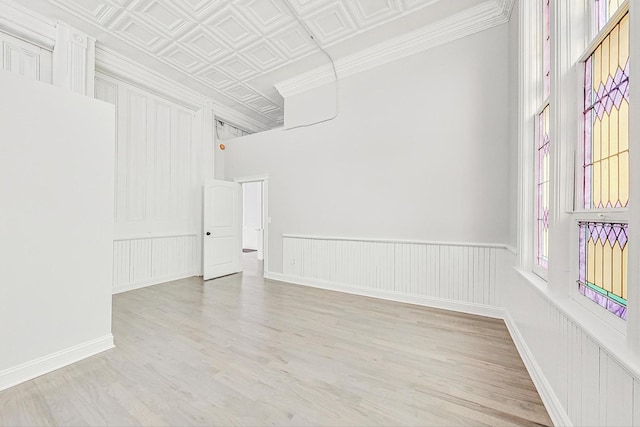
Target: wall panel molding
148, 261
446, 271
74, 60
25, 59
27, 25
158, 175
112, 64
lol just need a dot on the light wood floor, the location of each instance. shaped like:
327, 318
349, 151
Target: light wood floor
244, 351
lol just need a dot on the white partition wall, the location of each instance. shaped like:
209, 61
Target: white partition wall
56, 227
157, 187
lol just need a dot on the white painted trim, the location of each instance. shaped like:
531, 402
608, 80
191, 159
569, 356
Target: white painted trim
459, 306
252, 178
118, 66
229, 115
27, 25
154, 236
482, 17
529, 83
417, 242
43, 365
151, 282
265, 213
551, 402
602, 333
511, 249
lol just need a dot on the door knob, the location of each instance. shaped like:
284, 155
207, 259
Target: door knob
208, 233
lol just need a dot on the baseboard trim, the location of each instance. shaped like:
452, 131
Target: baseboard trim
150, 282
43, 365
460, 306
550, 400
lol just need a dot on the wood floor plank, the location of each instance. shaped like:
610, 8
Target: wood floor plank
242, 351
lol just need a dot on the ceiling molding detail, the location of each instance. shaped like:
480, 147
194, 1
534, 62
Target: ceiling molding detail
228, 114
234, 51
482, 17
117, 66
23, 23
507, 7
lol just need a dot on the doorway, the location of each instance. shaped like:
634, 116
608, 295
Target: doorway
252, 228
254, 225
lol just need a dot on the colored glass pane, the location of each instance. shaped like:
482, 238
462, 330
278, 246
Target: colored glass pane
606, 121
604, 11
542, 180
603, 265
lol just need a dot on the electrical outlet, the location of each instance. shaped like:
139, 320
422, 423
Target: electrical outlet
292, 261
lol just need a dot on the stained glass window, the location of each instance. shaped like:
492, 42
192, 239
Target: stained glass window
542, 146
606, 121
605, 9
603, 265
542, 244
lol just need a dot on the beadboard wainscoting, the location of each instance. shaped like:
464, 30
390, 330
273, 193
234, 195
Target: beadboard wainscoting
575, 370
455, 276
140, 262
582, 369
158, 171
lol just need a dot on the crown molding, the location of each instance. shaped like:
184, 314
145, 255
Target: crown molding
120, 67
505, 7
482, 17
113, 64
27, 25
229, 115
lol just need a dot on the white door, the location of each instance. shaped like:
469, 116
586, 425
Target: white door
260, 244
222, 229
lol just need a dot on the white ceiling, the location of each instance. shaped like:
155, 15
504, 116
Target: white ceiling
236, 50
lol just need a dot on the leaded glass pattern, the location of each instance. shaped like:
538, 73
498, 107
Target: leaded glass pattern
606, 121
542, 238
603, 265
605, 9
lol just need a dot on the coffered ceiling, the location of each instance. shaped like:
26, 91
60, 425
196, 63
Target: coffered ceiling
236, 50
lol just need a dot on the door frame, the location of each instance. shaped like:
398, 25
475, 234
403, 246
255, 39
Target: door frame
265, 213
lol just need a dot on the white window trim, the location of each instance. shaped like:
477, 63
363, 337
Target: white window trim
571, 34
530, 99
579, 213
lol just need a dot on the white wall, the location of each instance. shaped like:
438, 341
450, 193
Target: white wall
158, 178
56, 187
252, 214
420, 151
